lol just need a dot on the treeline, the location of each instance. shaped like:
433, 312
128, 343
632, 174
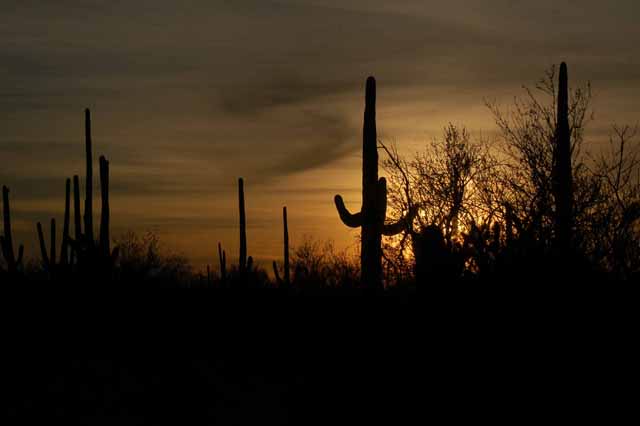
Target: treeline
532, 205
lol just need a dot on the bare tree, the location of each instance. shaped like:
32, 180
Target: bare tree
613, 222
493, 203
452, 185
527, 137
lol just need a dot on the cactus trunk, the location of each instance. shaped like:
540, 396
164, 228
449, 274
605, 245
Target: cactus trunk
77, 217
64, 250
287, 276
243, 227
88, 202
371, 252
104, 214
53, 258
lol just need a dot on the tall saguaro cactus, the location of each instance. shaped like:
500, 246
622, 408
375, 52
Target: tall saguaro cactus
563, 191
6, 241
374, 200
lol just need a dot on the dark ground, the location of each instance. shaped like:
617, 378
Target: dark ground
97, 359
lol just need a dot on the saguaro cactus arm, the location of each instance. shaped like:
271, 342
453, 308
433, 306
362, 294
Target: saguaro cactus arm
77, 217
349, 219
6, 241
402, 225
43, 248
64, 250
49, 260
104, 215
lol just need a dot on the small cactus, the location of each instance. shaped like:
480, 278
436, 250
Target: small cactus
287, 278
105, 248
222, 255
77, 216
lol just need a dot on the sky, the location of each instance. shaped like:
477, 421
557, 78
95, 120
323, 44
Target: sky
188, 96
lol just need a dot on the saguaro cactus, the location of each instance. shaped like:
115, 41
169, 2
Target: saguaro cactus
374, 200
287, 278
563, 192
243, 228
88, 201
89, 253
6, 241
64, 250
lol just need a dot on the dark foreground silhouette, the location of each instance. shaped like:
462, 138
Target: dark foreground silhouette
104, 360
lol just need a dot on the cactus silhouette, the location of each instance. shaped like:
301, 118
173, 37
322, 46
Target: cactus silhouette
77, 216
64, 250
14, 264
93, 257
371, 216
243, 261
104, 211
53, 266
562, 181
287, 278
88, 201
222, 255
